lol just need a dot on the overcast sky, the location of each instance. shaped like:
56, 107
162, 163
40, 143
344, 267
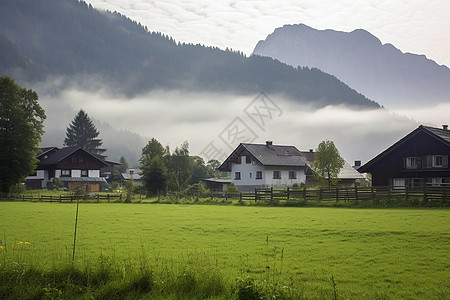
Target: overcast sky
416, 26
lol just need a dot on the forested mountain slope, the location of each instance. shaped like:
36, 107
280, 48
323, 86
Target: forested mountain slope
69, 38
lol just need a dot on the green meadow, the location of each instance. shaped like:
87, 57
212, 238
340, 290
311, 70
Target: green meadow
223, 252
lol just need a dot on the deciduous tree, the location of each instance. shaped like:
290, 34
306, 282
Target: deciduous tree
327, 163
21, 128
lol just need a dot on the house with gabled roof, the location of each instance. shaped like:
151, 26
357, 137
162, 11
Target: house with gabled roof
420, 158
73, 166
265, 165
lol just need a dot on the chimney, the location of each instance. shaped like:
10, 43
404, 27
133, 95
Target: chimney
357, 163
311, 150
268, 143
445, 127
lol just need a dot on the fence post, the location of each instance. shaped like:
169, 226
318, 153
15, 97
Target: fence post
337, 194
107, 196
425, 196
271, 194
389, 194
288, 193
240, 196
60, 198
320, 194
256, 194
356, 193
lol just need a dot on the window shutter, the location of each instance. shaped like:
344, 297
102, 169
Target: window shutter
429, 161
445, 161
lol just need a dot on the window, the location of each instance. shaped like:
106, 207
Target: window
258, 174
238, 160
84, 173
250, 174
411, 162
248, 159
437, 181
276, 175
292, 175
65, 173
437, 161
237, 175
398, 183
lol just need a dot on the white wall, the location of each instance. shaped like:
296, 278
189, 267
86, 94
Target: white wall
76, 173
248, 179
94, 173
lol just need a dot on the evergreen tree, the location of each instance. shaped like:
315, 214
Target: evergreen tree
82, 133
122, 168
21, 128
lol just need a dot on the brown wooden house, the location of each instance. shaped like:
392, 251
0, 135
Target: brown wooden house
73, 166
418, 159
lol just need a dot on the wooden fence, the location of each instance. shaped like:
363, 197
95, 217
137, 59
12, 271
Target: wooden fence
62, 198
426, 195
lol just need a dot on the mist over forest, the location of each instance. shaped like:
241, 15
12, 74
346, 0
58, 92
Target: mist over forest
137, 83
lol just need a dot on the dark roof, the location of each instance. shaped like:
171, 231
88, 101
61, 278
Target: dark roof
442, 135
58, 155
45, 151
82, 179
269, 155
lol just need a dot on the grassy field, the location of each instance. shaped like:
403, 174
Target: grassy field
334, 253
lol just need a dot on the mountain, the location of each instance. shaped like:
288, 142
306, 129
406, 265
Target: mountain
71, 39
379, 71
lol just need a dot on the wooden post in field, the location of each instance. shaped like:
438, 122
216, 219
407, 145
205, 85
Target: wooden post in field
75, 233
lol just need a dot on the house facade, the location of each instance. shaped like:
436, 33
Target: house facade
265, 165
73, 166
420, 158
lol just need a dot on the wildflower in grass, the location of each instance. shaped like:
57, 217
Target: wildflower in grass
27, 243
20, 243
1, 247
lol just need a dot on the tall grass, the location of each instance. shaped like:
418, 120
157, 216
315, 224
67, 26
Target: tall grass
197, 277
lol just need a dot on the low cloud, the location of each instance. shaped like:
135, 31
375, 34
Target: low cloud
204, 118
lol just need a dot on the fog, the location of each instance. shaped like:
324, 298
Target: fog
214, 124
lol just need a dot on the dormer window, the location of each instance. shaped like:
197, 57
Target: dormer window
438, 161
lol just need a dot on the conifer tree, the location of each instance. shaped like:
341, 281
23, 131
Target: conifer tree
82, 133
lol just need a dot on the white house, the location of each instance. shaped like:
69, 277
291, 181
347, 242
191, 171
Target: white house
265, 165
